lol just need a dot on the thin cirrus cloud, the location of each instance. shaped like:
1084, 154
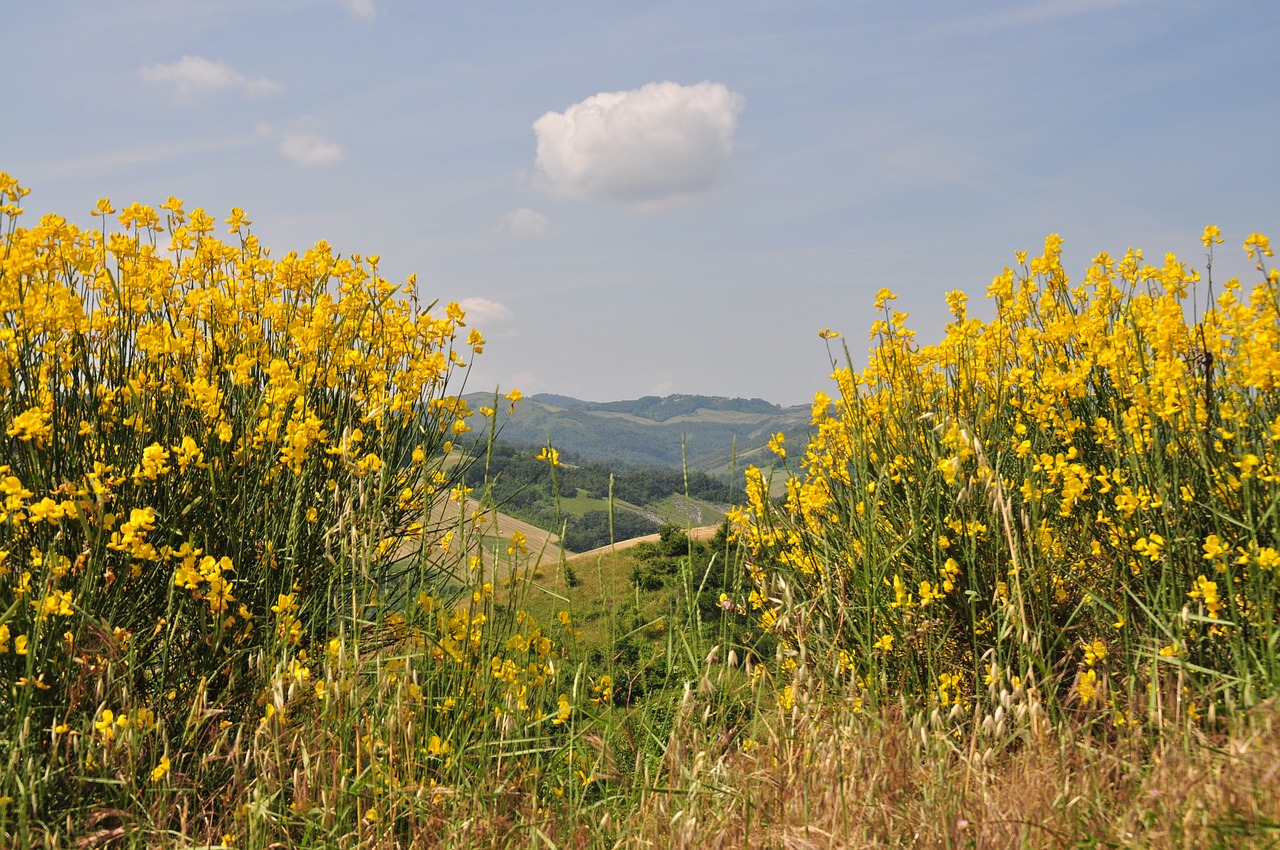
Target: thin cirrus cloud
311, 149
522, 224
193, 77
1030, 14
649, 149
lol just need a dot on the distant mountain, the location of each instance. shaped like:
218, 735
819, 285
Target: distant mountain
560, 400
651, 430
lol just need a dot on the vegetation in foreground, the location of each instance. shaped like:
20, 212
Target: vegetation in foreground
1021, 591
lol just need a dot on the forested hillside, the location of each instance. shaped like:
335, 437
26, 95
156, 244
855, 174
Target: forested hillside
711, 434
576, 495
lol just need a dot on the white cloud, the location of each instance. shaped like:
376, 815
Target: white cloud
193, 77
482, 311
361, 8
311, 149
523, 224
663, 389
656, 147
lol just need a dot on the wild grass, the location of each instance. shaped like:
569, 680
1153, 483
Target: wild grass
247, 602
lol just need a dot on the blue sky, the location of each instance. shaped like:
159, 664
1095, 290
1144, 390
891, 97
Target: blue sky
644, 198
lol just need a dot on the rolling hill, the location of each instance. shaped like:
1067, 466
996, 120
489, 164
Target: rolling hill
716, 435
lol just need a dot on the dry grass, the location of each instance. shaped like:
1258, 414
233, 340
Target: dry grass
873, 782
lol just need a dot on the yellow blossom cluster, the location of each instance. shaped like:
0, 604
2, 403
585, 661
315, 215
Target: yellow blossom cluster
1101, 455
202, 445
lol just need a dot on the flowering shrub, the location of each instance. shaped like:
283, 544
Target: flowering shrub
1081, 493
247, 597
210, 459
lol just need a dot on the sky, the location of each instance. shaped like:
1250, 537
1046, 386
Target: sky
649, 198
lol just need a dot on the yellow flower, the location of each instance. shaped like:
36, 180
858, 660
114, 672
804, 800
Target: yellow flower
284, 604
1207, 592
565, 709
45, 510
1087, 686
1214, 548
1257, 246
1151, 546
237, 220
57, 602
31, 425
161, 770
105, 724
948, 687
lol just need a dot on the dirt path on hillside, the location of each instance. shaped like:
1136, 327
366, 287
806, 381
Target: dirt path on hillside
546, 545
702, 535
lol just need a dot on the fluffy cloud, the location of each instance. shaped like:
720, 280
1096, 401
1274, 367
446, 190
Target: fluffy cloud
482, 311
659, 146
310, 149
523, 224
193, 77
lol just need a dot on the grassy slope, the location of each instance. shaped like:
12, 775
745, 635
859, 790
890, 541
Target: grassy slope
601, 587
602, 584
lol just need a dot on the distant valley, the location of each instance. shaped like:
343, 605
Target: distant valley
634, 451
716, 435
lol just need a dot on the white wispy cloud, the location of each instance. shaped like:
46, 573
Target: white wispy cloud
311, 149
361, 8
648, 149
1028, 14
482, 311
193, 77
522, 224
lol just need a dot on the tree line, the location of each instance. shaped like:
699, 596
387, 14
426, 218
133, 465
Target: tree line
527, 488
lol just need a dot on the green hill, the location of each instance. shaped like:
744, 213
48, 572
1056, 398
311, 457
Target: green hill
704, 430
594, 503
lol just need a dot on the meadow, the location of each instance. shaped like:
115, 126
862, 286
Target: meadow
1020, 592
